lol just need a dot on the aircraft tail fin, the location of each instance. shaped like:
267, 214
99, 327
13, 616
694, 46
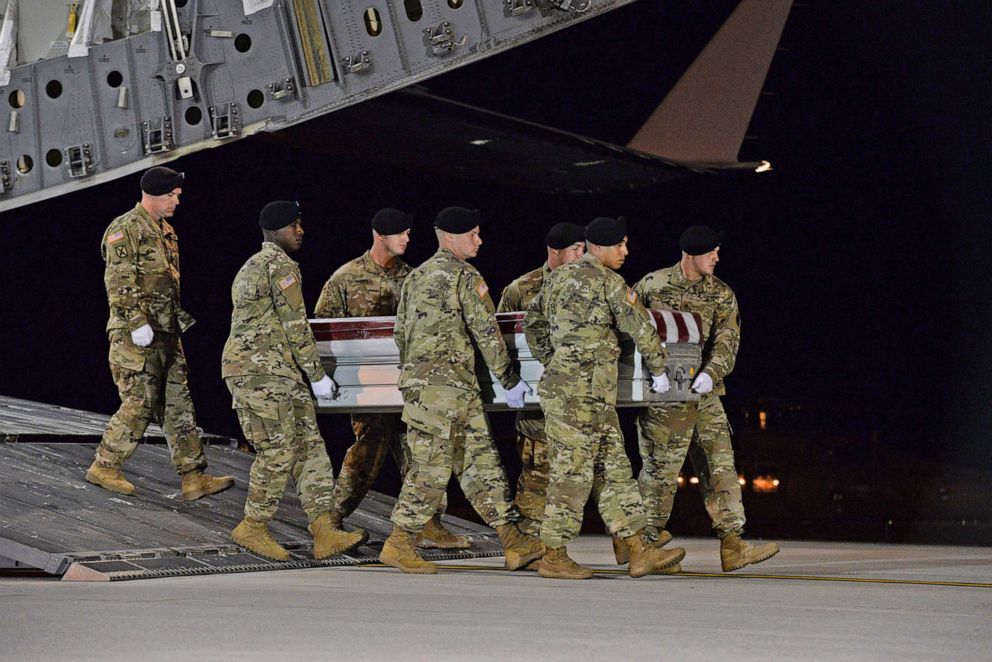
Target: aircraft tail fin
703, 120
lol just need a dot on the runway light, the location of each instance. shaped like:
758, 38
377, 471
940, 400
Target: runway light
775, 482
694, 480
481, 141
586, 164
764, 167
741, 480
681, 481
765, 484
763, 420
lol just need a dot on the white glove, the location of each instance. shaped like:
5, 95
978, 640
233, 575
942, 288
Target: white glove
703, 383
142, 336
660, 384
325, 389
515, 396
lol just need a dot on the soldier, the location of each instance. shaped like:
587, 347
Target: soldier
369, 286
699, 429
565, 243
269, 345
141, 252
571, 327
445, 313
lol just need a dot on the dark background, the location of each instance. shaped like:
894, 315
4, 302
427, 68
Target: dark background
859, 262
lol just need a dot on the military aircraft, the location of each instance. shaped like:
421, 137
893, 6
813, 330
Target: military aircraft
98, 89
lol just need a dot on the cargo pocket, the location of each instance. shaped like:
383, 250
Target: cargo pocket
431, 421
127, 356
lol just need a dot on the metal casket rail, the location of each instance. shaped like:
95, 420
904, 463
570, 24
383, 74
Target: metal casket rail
361, 356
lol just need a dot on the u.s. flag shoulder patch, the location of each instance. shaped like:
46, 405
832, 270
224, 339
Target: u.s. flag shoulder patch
631, 297
114, 238
287, 282
482, 289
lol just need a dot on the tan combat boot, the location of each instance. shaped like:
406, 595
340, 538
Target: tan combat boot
556, 564
109, 478
519, 549
648, 560
255, 537
435, 535
659, 538
197, 484
328, 540
398, 551
735, 553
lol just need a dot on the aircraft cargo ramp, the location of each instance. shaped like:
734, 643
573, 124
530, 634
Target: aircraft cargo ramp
53, 520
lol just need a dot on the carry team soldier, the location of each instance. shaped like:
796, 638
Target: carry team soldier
571, 327
269, 350
699, 429
369, 286
141, 252
565, 243
444, 314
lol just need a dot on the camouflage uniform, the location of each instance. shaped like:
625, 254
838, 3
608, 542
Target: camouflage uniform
361, 288
532, 443
701, 430
270, 343
142, 280
571, 328
445, 313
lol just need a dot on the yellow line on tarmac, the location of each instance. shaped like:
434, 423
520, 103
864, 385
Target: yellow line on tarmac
717, 575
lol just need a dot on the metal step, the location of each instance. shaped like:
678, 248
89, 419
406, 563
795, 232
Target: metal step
53, 520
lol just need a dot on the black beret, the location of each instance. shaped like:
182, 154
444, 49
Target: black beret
391, 221
699, 240
563, 235
457, 220
605, 231
160, 180
277, 215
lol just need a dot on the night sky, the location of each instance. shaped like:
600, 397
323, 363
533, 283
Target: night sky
859, 262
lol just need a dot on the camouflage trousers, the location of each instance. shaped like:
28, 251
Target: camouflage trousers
448, 432
375, 435
277, 416
532, 484
152, 382
700, 430
587, 457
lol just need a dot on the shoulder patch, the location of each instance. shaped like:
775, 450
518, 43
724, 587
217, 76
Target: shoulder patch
482, 289
114, 238
631, 297
286, 282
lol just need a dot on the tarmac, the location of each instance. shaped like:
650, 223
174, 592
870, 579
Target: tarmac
814, 601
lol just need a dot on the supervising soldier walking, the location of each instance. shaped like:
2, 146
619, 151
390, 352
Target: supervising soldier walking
565, 243
369, 286
700, 429
270, 349
571, 327
141, 252
445, 314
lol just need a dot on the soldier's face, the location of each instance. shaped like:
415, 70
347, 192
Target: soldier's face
705, 264
164, 206
395, 244
614, 256
290, 238
466, 245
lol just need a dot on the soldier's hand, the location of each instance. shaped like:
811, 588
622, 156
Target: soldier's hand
703, 383
660, 384
143, 336
325, 389
515, 396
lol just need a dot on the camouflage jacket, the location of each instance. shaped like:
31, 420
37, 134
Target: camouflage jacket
142, 273
522, 291
444, 308
270, 334
711, 299
572, 326
361, 288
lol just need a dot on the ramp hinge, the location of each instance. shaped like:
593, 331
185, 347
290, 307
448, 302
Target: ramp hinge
440, 40
577, 6
157, 135
79, 160
4, 176
282, 89
224, 120
356, 64
517, 7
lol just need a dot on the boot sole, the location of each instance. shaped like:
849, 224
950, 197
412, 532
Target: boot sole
427, 543
765, 557
523, 561
549, 575
259, 552
199, 494
347, 548
99, 483
430, 570
662, 570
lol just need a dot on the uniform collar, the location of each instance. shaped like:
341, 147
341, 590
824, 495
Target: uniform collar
447, 253
398, 268
678, 278
271, 246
